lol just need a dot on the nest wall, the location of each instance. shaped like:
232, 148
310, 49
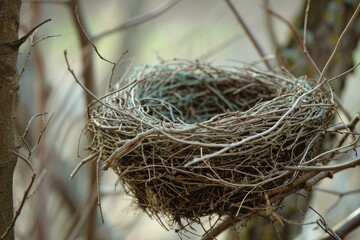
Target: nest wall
189, 140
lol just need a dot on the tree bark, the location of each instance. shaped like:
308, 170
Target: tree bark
9, 25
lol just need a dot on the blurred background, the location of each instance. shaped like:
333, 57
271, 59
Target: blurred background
152, 30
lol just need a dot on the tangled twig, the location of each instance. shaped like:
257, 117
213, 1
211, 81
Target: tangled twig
189, 140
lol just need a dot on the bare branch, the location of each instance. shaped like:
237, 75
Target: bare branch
337, 167
88, 38
344, 73
28, 163
218, 229
305, 25
81, 163
346, 226
326, 67
18, 211
297, 38
337, 193
324, 226
248, 33
139, 19
349, 125
98, 187
77, 80
31, 149
20, 41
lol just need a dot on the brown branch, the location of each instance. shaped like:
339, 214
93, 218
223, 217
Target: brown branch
326, 67
81, 163
324, 226
248, 33
346, 226
24, 198
77, 80
88, 38
350, 125
218, 229
337, 167
89, 83
27, 129
297, 38
305, 25
16, 44
98, 203
344, 73
27, 161
304, 182
138, 19
45, 1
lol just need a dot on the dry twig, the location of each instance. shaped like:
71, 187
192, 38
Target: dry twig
28, 163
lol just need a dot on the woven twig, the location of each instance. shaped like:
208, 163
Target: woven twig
189, 140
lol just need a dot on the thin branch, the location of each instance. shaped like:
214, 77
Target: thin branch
138, 19
81, 163
350, 125
25, 196
84, 215
39, 179
269, 23
44, 38
18, 211
305, 25
32, 44
28, 128
337, 193
113, 69
98, 187
28, 163
45, 1
297, 38
336, 167
19, 42
218, 229
248, 33
88, 38
344, 73
324, 226
326, 67
77, 80
220, 47
41, 133
346, 226
341, 106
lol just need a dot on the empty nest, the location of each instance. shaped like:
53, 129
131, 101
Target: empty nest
189, 140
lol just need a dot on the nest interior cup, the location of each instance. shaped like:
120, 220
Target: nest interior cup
189, 140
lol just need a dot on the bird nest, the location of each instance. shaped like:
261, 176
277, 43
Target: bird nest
189, 140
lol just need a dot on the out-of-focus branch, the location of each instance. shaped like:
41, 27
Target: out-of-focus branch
25, 196
297, 38
28, 163
249, 33
346, 226
326, 67
321, 222
89, 82
218, 229
132, 22
337, 167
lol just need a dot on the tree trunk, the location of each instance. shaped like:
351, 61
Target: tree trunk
9, 25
